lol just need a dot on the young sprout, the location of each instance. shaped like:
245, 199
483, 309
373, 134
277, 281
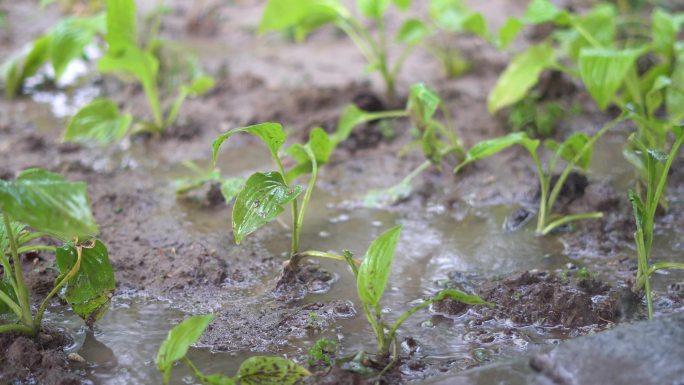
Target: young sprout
253, 371
658, 166
56, 208
371, 279
100, 121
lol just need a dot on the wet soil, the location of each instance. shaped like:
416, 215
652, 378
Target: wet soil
183, 252
39, 360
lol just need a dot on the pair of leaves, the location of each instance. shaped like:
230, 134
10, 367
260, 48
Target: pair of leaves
48, 202
90, 290
253, 371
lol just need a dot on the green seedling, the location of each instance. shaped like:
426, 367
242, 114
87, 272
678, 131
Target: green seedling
322, 352
64, 43
305, 16
127, 57
53, 208
258, 370
229, 186
537, 119
372, 277
576, 150
658, 165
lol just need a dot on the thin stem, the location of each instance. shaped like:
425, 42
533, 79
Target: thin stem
13, 305
665, 265
307, 196
175, 108
386, 115
19, 328
348, 26
595, 43
642, 257
570, 218
30, 248
199, 375
544, 186
153, 99
27, 237
21, 289
392, 363
406, 315
379, 334
59, 285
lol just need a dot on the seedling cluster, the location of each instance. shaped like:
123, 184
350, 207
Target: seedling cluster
598, 50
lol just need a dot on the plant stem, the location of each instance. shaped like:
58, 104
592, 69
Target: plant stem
175, 108
59, 285
665, 265
21, 289
570, 218
19, 328
13, 305
194, 369
544, 186
30, 248
307, 196
406, 315
153, 99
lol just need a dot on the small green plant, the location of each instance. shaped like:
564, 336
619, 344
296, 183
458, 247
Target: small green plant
576, 150
61, 45
537, 119
305, 16
258, 370
53, 208
126, 56
322, 351
371, 279
658, 166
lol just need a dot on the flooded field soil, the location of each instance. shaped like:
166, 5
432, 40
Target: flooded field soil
175, 256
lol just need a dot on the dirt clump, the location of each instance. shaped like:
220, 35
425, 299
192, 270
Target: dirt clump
39, 360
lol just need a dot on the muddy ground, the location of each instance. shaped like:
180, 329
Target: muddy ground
168, 248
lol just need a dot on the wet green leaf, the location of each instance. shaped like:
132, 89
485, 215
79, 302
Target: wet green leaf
376, 266
270, 371
260, 202
571, 147
231, 187
492, 146
272, 134
48, 202
90, 290
200, 86
460, 296
520, 76
373, 9
178, 341
70, 37
603, 71
412, 31
121, 25
320, 145
99, 122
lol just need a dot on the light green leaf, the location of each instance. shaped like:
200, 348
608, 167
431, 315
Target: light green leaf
70, 37
376, 266
231, 187
90, 290
121, 26
490, 147
603, 71
674, 98
509, 32
320, 145
39, 55
664, 31
374, 9
200, 85
476, 24
459, 296
600, 23
19, 67
571, 147
351, 117
655, 96
178, 341
270, 371
272, 134
100, 122
260, 202
423, 102
133, 61
542, 11
304, 15
47, 202
520, 76
449, 14
412, 31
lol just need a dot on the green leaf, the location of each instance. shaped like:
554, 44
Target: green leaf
47, 202
142, 65
90, 290
423, 102
19, 67
449, 14
303, 15
260, 202
4, 239
654, 97
664, 31
374, 9
39, 55
509, 32
200, 85
231, 187
520, 76
376, 266
121, 26
262, 370
603, 71
6, 287
100, 122
639, 210
402, 4
476, 24
412, 32
272, 134
456, 295
178, 341
543, 11
320, 146
70, 37
351, 117
490, 147
674, 97
600, 23
569, 149
218, 379
183, 186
